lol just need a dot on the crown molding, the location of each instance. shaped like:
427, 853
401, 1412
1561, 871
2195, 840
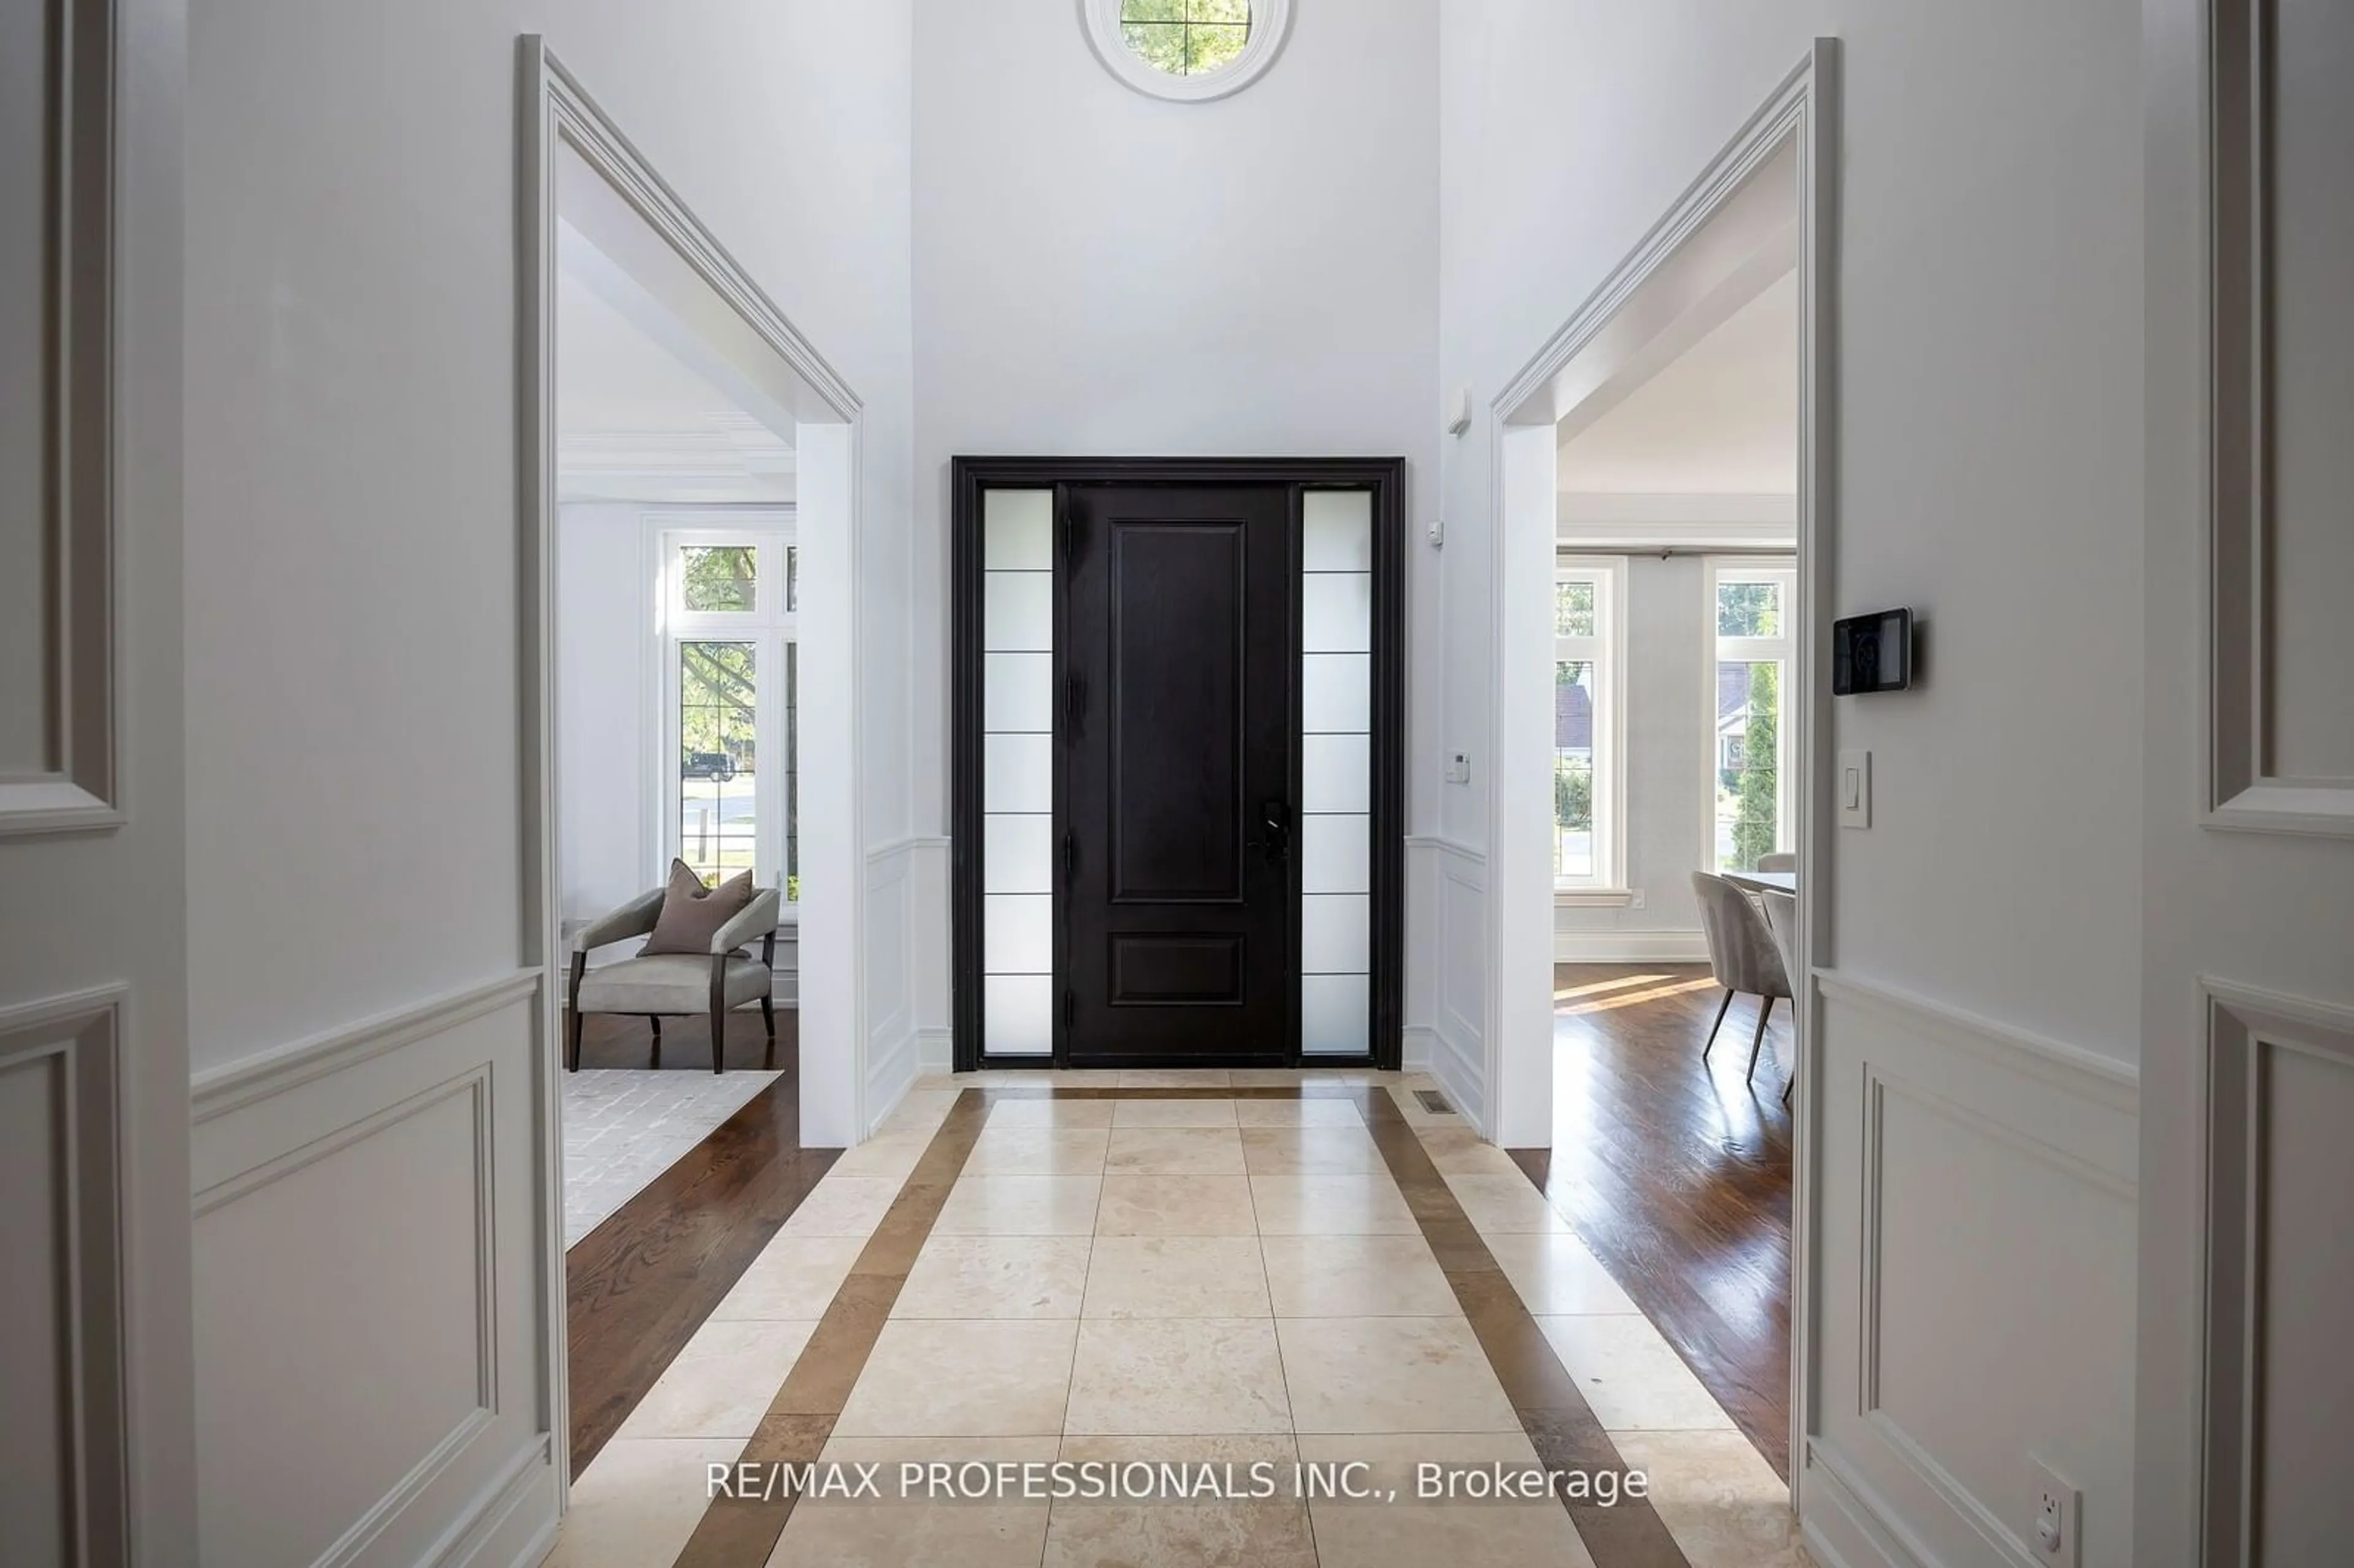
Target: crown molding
1637, 521
739, 459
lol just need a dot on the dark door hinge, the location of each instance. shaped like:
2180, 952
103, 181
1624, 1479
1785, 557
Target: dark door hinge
1070, 1009
1070, 854
1070, 535
1074, 701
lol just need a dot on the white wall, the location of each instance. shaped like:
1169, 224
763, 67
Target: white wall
351, 671
2021, 447
1669, 744
1100, 273
1988, 373
604, 609
351, 475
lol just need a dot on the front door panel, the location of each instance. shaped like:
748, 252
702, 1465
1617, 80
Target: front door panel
1176, 932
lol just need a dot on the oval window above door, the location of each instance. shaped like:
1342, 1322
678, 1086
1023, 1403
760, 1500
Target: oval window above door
1187, 50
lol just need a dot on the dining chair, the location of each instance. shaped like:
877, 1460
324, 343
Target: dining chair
1782, 920
1742, 956
1780, 859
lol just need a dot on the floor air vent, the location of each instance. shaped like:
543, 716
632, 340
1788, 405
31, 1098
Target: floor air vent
1434, 1102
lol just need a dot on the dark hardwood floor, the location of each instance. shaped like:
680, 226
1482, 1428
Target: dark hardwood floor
640, 1283
1678, 1173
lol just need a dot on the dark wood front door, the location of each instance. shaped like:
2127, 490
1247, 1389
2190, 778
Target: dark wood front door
1177, 928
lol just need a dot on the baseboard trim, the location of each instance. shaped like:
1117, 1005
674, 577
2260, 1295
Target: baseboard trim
1461, 1072
891, 1070
1847, 1525
217, 1091
1630, 948
935, 1049
475, 1541
1417, 1047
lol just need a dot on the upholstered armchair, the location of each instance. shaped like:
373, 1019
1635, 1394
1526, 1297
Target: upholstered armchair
679, 985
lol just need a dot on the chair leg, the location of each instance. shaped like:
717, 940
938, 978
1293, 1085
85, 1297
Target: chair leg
1764, 1012
719, 1040
769, 1021
1787, 1084
657, 1023
1722, 1007
572, 1003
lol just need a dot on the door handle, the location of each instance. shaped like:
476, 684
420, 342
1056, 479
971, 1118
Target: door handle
1275, 824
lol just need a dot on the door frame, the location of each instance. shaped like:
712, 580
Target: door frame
1384, 478
558, 116
1800, 115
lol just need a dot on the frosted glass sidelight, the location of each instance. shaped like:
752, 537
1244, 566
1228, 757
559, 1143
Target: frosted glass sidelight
1336, 854
1336, 612
1017, 933
1017, 773
1336, 1014
1017, 855
1017, 530
1336, 772
1017, 614
1017, 1015
1017, 692
1336, 531
1336, 694
1336, 933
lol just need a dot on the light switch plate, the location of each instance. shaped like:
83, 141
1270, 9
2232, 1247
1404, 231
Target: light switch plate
1459, 768
1853, 788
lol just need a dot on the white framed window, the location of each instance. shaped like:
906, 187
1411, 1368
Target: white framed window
727, 671
1589, 727
1750, 625
1187, 50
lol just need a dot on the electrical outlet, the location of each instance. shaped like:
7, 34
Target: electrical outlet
1459, 768
2053, 1527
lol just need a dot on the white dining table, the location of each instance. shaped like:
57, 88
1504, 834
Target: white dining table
1761, 881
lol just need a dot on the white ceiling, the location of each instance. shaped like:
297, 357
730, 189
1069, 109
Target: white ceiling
1721, 419
634, 422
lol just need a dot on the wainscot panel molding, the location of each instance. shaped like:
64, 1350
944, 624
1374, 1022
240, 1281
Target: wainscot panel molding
64, 778
393, 1167
2104, 1079
1457, 876
892, 962
1979, 1194
60, 1170
2280, 1090
219, 1090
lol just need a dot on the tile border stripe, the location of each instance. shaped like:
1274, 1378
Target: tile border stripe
1559, 1425
742, 1532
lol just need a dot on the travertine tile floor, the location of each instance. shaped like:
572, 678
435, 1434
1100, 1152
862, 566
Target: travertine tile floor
1191, 1281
